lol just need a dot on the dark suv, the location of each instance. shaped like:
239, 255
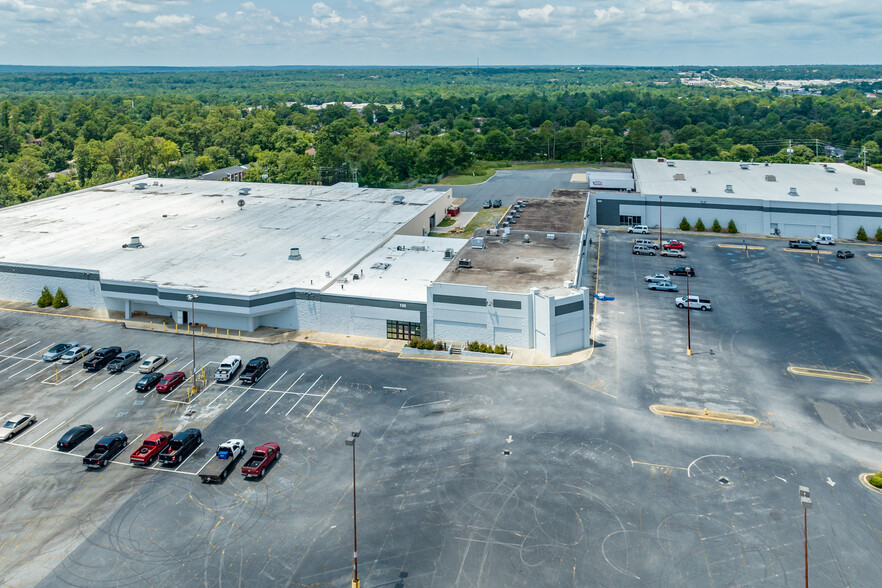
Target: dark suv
181, 445
254, 370
680, 270
101, 358
123, 360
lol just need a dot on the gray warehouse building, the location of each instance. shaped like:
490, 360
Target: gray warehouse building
340, 259
797, 200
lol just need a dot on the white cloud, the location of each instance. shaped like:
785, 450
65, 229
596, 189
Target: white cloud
692, 8
115, 6
608, 14
163, 21
324, 16
537, 14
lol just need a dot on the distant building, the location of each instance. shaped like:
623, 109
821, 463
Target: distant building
234, 173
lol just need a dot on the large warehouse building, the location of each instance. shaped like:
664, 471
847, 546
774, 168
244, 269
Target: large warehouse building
340, 259
797, 200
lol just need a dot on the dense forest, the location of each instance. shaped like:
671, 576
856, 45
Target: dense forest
65, 129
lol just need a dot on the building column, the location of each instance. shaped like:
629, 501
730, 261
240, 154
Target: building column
128, 309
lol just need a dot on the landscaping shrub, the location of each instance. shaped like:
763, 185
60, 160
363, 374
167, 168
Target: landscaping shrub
45, 298
440, 346
684, 225
60, 299
862, 234
485, 348
716, 227
420, 343
879, 234
875, 480
699, 226
732, 228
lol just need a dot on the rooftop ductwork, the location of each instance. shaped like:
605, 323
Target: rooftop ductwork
793, 192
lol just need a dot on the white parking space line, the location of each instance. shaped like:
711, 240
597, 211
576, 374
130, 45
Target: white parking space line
210, 459
124, 381
237, 399
28, 347
5, 415
227, 389
304, 395
282, 394
49, 433
55, 451
13, 345
72, 374
21, 360
29, 429
92, 435
34, 363
322, 398
5, 340
41, 371
264, 394
192, 453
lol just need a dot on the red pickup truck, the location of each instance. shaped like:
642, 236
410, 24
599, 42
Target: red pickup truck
260, 460
150, 448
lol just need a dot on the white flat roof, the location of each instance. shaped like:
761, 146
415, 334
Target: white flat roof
812, 181
409, 271
195, 236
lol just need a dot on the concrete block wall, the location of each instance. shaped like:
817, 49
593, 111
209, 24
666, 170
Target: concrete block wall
18, 282
473, 313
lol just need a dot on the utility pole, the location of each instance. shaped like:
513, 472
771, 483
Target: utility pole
864, 154
806, 501
356, 583
790, 151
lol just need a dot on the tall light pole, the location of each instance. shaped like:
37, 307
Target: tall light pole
355, 581
806, 500
192, 298
688, 317
659, 224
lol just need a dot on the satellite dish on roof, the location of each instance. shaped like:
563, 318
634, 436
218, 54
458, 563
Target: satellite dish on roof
241, 203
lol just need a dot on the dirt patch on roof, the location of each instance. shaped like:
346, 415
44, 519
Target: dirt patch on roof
561, 212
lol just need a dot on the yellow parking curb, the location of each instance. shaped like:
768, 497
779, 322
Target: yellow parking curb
829, 374
749, 247
811, 251
865, 482
729, 418
73, 316
874, 254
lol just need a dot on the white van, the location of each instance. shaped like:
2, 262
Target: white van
825, 240
639, 229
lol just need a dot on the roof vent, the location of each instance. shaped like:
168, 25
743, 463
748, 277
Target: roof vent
830, 170
244, 191
694, 189
141, 186
660, 160
672, 164
398, 199
550, 236
465, 262
793, 192
240, 204
767, 164
771, 178
401, 248
859, 181
448, 254
294, 254
526, 238
745, 166
418, 248
135, 243
680, 177
729, 188
381, 266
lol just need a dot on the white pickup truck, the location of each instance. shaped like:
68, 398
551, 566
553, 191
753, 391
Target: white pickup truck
693, 302
227, 369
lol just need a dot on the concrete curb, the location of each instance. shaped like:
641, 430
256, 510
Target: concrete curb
865, 482
705, 415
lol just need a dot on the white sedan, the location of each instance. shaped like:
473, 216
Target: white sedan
656, 278
151, 362
16, 424
75, 353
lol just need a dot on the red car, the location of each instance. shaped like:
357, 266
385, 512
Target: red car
170, 381
150, 448
672, 245
260, 460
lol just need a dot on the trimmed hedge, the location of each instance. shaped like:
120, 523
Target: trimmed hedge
875, 480
484, 348
420, 343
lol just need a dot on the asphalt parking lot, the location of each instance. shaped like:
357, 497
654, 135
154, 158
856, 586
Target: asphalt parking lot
594, 489
511, 185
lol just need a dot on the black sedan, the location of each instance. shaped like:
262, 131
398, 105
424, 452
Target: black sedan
497, 203
844, 254
681, 270
148, 381
74, 437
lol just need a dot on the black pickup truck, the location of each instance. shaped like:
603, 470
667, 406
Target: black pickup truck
101, 358
105, 450
802, 244
181, 445
254, 370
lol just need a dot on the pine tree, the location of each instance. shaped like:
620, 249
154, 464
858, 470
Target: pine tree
716, 227
699, 226
732, 228
879, 234
60, 300
45, 298
862, 234
684, 225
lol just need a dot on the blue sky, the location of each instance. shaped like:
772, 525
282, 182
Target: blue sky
438, 32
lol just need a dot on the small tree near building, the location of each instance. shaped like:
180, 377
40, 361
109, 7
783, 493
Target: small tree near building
45, 298
879, 234
716, 227
684, 225
699, 225
60, 299
732, 228
862, 234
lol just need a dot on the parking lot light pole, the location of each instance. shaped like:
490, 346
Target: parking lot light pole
659, 224
688, 321
355, 581
806, 500
192, 298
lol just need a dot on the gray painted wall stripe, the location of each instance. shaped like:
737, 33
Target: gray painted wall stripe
653, 204
13, 268
461, 300
569, 308
515, 304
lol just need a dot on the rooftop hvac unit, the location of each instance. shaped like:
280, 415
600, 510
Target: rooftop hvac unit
477, 242
401, 248
830, 170
771, 179
858, 181
355, 277
398, 199
680, 177
244, 191
505, 225
493, 232
294, 254
506, 231
504, 238
729, 188
448, 254
526, 238
465, 262
135, 243
745, 166
418, 248
793, 192
141, 186
672, 164
660, 160
550, 236
381, 266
